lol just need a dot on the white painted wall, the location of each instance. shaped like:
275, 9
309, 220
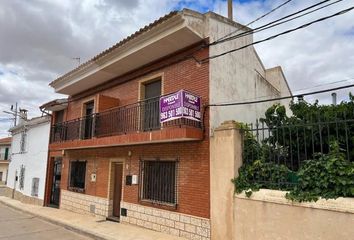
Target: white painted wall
34, 159
238, 76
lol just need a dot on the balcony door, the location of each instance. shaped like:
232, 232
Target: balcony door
88, 120
151, 109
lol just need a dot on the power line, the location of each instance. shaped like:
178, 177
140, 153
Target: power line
279, 98
278, 21
296, 90
277, 35
257, 19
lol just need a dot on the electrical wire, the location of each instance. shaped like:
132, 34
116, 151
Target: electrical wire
296, 90
278, 22
277, 35
257, 19
279, 98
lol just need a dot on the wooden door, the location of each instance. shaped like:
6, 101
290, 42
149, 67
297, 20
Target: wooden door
117, 193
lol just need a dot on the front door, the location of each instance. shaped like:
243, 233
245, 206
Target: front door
55, 191
117, 191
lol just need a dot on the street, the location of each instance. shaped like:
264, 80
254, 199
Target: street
17, 225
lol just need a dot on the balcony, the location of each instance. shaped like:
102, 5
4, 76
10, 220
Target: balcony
4, 157
138, 123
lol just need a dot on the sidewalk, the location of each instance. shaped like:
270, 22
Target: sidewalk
95, 227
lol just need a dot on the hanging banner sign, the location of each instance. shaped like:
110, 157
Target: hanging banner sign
181, 104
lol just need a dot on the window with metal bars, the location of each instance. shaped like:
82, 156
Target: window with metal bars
159, 182
22, 177
23, 142
35, 185
77, 176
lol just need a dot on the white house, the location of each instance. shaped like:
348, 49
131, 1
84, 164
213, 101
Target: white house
5, 154
27, 169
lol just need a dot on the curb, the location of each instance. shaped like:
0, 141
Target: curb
59, 223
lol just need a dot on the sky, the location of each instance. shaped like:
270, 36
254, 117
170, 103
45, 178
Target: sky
40, 38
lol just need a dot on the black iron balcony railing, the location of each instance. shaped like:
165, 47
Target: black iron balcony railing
138, 117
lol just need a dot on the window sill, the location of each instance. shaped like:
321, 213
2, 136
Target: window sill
77, 190
158, 204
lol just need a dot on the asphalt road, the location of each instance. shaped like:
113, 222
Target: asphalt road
16, 225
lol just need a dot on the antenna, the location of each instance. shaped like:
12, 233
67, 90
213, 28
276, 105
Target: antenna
13, 112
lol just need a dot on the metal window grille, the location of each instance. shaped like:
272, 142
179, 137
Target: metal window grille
159, 182
23, 143
22, 177
35, 185
77, 175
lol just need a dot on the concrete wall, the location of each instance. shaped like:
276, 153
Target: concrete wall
268, 216
34, 159
225, 159
237, 77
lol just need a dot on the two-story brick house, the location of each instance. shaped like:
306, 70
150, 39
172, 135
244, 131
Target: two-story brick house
111, 154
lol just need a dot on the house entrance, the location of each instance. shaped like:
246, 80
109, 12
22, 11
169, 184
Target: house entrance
55, 190
117, 193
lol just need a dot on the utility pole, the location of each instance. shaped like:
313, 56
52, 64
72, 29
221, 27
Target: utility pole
13, 112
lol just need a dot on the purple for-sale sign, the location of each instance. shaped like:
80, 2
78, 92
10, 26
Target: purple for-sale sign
181, 104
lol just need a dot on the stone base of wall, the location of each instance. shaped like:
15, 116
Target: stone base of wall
173, 223
85, 204
8, 192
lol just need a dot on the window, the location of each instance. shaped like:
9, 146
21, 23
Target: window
1, 176
35, 185
59, 117
22, 177
159, 182
77, 176
151, 109
6, 154
23, 142
88, 122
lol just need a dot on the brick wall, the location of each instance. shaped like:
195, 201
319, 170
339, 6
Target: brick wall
193, 179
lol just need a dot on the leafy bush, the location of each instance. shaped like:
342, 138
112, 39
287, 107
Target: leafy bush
329, 176
322, 128
260, 174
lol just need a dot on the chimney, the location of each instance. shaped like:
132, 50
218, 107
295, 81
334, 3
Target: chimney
22, 116
229, 9
334, 98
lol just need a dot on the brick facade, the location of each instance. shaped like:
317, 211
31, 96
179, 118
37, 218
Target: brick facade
193, 156
193, 170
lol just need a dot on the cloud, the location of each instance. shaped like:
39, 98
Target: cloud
39, 40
